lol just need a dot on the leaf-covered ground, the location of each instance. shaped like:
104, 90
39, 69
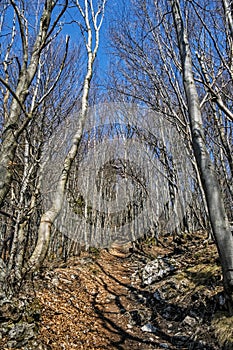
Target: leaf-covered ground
168, 296
102, 301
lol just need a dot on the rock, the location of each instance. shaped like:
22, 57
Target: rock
157, 296
164, 345
18, 321
180, 337
171, 312
20, 334
140, 317
221, 300
189, 321
4, 329
149, 328
9, 311
155, 270
55, 281
32, 312
140, 298
110, 297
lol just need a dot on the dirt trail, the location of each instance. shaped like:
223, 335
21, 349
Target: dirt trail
97, 301
88, 306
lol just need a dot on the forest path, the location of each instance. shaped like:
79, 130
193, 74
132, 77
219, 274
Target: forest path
98, 301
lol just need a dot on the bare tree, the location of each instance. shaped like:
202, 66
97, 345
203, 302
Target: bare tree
218, 217
16, 93
147, 69
51, 97
92, 19
190, 85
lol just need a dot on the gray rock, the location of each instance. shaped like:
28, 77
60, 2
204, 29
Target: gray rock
149, 328
20, 334
157, 296
155, 270
110, 297
164, 345
189, 321
4, 328
222, 300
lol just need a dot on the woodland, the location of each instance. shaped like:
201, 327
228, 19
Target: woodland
116, 165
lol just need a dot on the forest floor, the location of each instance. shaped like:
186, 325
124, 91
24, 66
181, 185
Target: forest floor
168, 296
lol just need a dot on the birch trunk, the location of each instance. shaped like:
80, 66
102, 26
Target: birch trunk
218, 218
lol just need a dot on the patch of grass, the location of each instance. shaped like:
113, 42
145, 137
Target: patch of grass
202, 274
94, 252
223, 329
197, 278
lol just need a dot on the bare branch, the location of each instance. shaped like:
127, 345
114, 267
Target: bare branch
14, 95
23, 32
57, 77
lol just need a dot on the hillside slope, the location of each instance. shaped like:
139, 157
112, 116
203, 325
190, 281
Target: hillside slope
159, 297
168, 296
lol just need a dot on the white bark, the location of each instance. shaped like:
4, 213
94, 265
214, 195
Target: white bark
219, 222
228, 13
28, 69
50, 215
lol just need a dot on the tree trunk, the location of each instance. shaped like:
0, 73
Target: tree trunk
218, 218
13, 127
48, 218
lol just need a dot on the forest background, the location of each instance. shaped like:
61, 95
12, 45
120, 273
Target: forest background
166, 63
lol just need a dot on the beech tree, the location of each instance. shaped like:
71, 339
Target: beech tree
92, 19
172, 58
16, 93
26, 85
37, 97
217, 213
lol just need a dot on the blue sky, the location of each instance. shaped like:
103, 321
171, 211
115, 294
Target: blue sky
74, 32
